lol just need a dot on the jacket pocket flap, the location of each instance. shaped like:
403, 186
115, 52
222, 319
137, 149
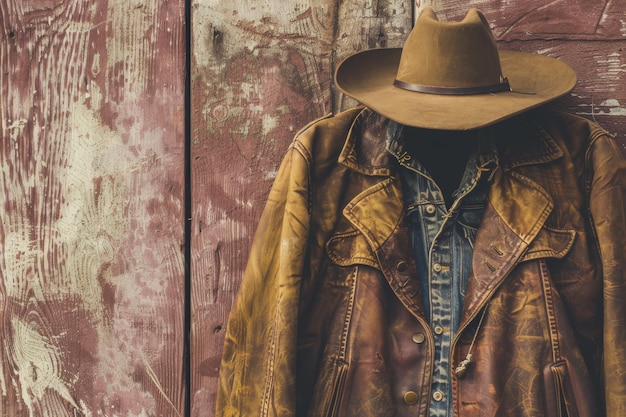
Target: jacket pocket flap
350, 248
550, 243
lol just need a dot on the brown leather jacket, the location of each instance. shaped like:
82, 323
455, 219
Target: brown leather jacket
329, 320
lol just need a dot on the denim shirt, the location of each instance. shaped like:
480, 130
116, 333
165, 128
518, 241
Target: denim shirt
442, 241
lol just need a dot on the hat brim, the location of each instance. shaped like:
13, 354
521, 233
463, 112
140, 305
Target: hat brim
368, 77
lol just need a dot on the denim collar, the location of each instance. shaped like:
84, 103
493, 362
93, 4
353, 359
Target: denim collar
484, 158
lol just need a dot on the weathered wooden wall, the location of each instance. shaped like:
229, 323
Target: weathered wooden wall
91, 207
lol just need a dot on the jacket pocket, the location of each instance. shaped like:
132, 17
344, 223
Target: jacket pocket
560, 395
336, 393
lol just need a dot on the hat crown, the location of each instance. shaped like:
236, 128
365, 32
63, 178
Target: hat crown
450, 54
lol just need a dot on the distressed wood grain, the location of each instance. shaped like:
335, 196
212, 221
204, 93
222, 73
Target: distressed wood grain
91, 208
260, 72
600, 93
373, 24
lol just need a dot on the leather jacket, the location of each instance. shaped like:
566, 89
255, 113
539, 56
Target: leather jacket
329, 319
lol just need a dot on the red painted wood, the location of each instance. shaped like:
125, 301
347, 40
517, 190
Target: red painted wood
261, 73
256, 74
600, 93
91, 208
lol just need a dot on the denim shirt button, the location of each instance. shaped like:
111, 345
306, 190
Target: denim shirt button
438, 330
430, 209
437, 267
438, 396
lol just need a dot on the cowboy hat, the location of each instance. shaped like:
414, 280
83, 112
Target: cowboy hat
450, 76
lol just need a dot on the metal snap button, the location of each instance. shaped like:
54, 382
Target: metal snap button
437, 267
418, 338
410, 397
438, 330
402, 266
430, 209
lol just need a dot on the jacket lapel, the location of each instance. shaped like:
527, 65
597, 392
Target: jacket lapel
515, 212
378, 213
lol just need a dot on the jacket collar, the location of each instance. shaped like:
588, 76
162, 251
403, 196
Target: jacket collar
523, 141
520, 141
364, 149
520, 204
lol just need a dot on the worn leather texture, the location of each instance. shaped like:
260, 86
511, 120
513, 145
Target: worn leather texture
329, 319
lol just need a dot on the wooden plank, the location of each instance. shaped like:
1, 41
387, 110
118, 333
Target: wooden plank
91, 207
590, 35
259, 74
375, 24
600, 93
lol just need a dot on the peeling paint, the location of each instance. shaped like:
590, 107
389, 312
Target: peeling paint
39, 362
17, 124
269, 123
611, 107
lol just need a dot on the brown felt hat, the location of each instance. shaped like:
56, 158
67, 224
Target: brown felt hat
450, 76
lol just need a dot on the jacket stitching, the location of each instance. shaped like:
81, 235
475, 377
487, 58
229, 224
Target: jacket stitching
551, 316
349, 309
544, 215
342, 363
355, 219
269, 372
551, 149
588, 185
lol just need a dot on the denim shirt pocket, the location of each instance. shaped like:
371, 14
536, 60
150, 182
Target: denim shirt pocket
469, 220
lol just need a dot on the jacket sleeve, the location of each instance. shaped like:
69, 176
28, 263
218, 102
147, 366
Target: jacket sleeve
607, 202
257, 374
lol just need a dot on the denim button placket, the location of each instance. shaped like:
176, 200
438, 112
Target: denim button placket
438, 242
